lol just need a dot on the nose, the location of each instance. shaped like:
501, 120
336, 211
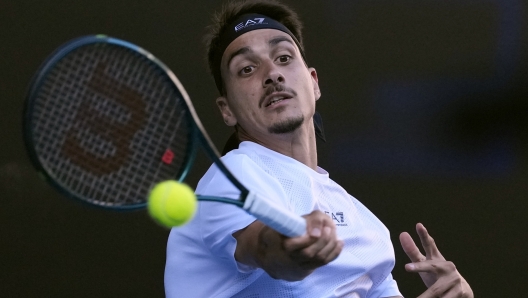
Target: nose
273, 77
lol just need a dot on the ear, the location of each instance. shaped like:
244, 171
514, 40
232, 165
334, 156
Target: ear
227, 114
315, 81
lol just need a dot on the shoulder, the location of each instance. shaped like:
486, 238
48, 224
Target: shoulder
245, 165
248, 158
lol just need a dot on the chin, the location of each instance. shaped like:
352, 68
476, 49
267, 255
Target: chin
287, 126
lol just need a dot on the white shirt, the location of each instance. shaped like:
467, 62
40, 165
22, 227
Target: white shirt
200, 255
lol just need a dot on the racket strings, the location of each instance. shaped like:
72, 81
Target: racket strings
105, 118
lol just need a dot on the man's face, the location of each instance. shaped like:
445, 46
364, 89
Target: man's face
269, 89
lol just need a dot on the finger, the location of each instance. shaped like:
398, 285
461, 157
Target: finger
313, 251
303, 242
439, 289
429, 293
327, 254
298, 243
336, 252
435, 266
410, 248
315, 222
455, 292
459, 290
331, 250
428, 243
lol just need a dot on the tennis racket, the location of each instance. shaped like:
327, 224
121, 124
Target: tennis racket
105, 121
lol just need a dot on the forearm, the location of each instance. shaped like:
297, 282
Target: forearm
261, 247
247, 243
285, 258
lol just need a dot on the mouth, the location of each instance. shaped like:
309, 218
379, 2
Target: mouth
275, 98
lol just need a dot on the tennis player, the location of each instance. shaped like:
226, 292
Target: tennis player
269, 94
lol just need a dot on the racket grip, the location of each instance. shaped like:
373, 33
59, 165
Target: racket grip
281, 220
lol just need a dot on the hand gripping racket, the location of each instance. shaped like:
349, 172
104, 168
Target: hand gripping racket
105, 121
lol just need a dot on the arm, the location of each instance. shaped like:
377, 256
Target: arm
440, 276
285, 258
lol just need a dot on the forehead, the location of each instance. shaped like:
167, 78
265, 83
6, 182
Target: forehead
252, 39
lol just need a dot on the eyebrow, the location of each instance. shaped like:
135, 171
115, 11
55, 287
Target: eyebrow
240, 51
272, 42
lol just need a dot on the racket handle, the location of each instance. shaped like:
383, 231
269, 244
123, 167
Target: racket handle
283, 221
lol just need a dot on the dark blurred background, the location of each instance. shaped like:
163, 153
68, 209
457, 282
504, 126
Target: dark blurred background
424, 102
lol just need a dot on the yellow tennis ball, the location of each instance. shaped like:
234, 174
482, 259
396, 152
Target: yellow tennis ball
172, 203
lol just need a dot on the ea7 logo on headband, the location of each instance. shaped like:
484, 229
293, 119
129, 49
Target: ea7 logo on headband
250, 22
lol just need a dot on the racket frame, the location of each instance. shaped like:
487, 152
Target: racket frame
36, 84
265, 211
197, 130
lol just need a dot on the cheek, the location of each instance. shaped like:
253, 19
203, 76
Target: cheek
244, 108
302, 80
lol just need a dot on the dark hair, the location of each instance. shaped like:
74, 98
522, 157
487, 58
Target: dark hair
234, 9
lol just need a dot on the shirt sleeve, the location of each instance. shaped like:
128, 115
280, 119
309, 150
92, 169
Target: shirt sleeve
387, 288
219, 220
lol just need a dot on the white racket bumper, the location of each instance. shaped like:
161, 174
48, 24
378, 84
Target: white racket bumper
276, 217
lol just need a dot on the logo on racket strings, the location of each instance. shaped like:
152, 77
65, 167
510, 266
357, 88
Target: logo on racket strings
98, 142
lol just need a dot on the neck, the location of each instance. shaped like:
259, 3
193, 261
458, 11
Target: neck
299, 145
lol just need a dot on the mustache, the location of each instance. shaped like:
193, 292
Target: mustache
276, 88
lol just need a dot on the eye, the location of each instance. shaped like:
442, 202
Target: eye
284, 59
247, 70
